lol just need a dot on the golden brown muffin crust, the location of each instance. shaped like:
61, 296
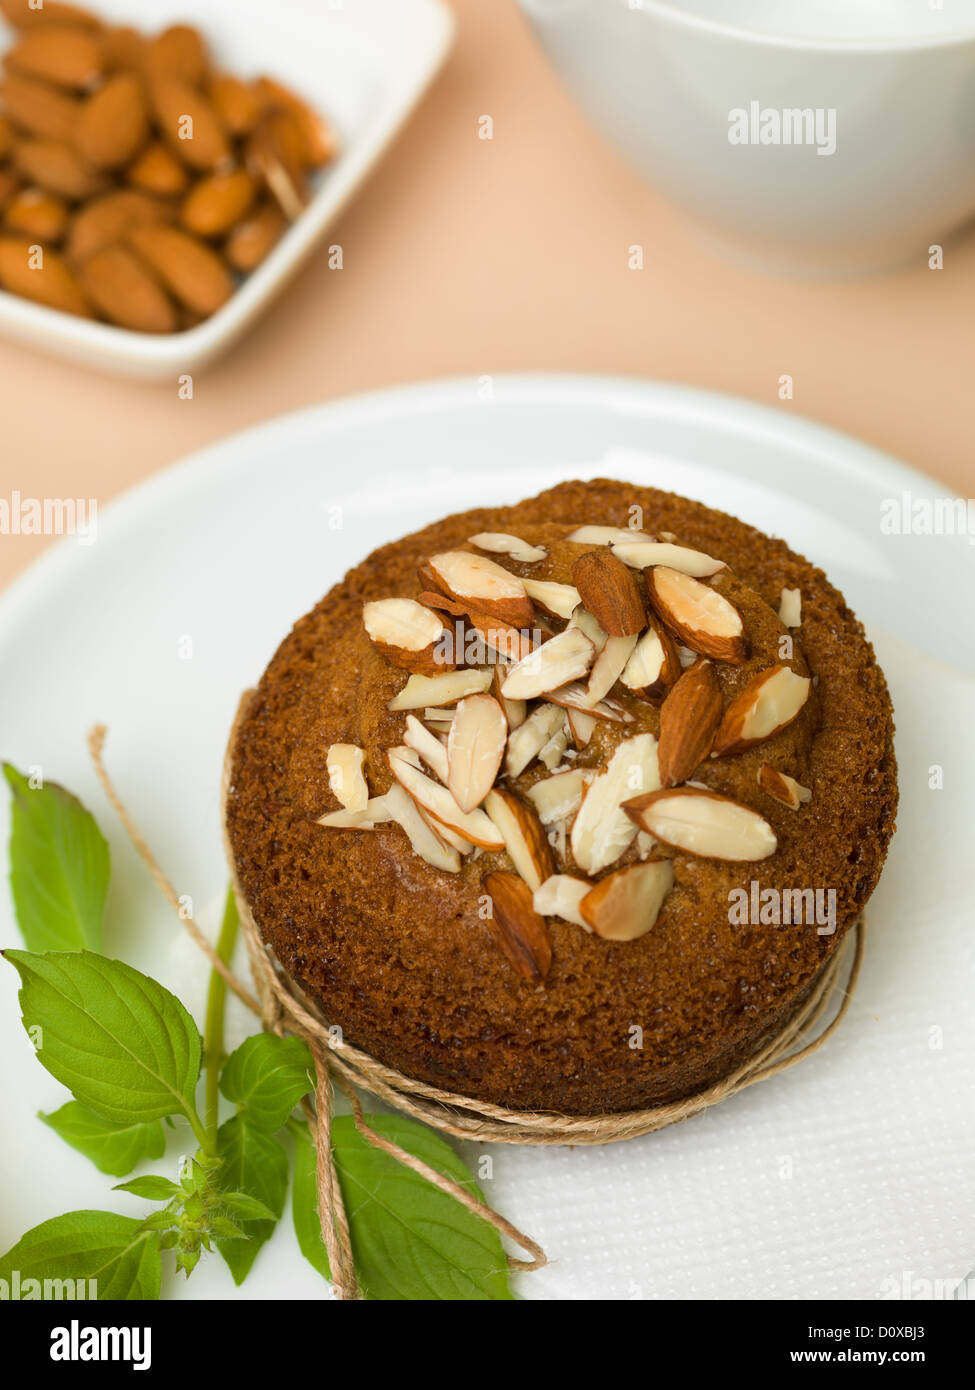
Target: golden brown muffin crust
396, 952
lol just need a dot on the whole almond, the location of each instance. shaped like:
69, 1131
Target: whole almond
42, 276
124, 291
180, 52
609, 591
122, 49
58, 167
106, 219
67, 57
24, 15
216, 203
189, 124
235, 102
114, 123
317, 140
159, 172
190, 271
521, 933
42, 216
689, 717
39, 109
9, 184
251, 240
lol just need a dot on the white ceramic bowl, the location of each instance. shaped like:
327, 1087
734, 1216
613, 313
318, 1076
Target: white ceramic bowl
663, 79
362, 63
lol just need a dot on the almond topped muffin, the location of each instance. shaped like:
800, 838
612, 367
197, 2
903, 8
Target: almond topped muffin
565, 805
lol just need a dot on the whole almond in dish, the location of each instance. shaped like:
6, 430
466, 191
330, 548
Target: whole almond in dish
491, 859
106, 132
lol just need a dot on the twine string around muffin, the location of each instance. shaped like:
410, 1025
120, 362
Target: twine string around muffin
284, 1009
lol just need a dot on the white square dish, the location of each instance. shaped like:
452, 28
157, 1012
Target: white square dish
362, 63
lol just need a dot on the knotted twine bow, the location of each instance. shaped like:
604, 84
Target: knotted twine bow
284, 1009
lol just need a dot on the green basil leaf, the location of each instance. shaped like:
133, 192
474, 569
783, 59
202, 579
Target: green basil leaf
304, 1203
113, 1148
151, 1186
266, 1077
255, 1163
122, 1044
59, 867
112, 1250
242, 1204
410, 1240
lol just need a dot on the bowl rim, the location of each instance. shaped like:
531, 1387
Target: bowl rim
892, 43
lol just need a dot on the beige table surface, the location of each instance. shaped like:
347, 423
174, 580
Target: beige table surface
467, 256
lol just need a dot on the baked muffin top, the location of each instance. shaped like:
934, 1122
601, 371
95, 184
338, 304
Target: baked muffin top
524, 813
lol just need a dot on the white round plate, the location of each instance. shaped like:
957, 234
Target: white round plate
197, 574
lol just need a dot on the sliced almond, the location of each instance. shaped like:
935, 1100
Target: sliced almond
625, 905
782, 787
654, 666
407, 634
448, 836
697, 615
524, 837
521, 932
574, 696
642, 555
558, 798
515, 711
557, 599
704, 823
492, 590
584, 620
609, 666
438, 802
418, 737
689, 718
560, 896
425, 841
562, 659
609, 591
790, 607
499, 543
420, 691
606, 535
553, 751
769, 702
602, 831
511, 643
686, 657
438, 715
345, 776
527, 741
475, 747
581, 726
375, 812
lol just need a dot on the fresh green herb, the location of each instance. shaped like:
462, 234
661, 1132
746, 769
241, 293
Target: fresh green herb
116, 1251
122, 1043
410, 1241
113, 1148
267, 1077
59, 867
256, 1163
131, 1055
304, 1201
